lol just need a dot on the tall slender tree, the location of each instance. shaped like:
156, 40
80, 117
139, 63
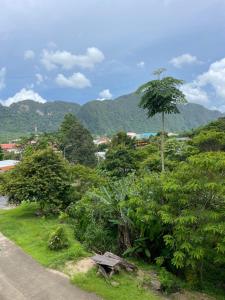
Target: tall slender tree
161, 96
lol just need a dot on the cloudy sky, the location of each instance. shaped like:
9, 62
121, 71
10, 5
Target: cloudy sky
79, 50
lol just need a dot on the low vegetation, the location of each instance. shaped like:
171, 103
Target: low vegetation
162, 210
32, 233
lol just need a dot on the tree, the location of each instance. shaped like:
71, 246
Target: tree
1, 154
210, 140
76, 142
193, 208
105, 208
121, 138
120, 161
179, 150
84, 178
161, 96
42, 177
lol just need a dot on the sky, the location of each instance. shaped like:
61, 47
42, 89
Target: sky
77, 51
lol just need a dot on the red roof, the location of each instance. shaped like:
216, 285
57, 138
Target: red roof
8, 146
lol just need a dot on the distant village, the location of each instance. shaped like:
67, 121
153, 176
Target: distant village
16, 149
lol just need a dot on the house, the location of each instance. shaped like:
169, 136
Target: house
102, 140
172, 134
10, 148
132, 134
6, 165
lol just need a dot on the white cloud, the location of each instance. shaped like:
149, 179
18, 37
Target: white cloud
105, 95
29, 54
194, 93
141, 64
77, 80
215, 77
184, 59
2, 78
39, 78
51, 59
22, 95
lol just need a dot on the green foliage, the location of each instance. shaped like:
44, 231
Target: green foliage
128, 286
77, 142
210, 140
84, 178
97, 238
42, 177
169, 282
178, 150
58, 239
31, 233
176, 218
161, 96
218, 125
194, 207
122, 139
11, 155
139, 246
106, 209
1, 154
120, 161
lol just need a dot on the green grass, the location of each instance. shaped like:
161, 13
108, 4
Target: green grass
128, 287
31, 233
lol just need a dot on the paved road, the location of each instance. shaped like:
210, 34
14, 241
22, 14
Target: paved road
22, 278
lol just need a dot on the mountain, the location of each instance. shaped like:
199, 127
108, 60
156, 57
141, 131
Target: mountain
23, 116
123, 113
100, 117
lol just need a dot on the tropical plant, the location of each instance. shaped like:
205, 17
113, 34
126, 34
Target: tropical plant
161, 96
210, 140
193, 207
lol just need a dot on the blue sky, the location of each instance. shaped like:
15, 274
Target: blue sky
100, 49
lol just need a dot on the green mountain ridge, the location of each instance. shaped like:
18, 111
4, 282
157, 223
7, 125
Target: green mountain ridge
100, 117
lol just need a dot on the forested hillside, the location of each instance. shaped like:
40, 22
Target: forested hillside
100, 117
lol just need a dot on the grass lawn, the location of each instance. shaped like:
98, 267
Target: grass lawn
127, 289
31, 233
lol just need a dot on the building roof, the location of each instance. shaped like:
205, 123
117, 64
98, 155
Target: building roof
146, 135
8, 146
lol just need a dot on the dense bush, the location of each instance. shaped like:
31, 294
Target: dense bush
210, 140
42, 177
169, 282
176, 218
58, 239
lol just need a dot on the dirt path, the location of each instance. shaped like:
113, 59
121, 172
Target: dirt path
22, 278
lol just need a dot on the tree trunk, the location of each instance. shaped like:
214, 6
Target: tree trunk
162, 142
124, 237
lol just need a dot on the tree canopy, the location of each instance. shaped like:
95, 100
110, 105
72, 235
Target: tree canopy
41, 177
76, 142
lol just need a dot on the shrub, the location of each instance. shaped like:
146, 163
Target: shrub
169, 282
58, 239
97, 238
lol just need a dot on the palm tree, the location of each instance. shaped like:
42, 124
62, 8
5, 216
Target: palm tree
161, 96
